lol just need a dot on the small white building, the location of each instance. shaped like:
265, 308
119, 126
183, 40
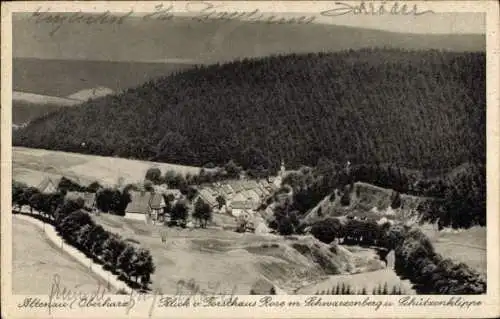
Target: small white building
242, 207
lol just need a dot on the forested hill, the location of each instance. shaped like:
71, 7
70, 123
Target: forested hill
421, 109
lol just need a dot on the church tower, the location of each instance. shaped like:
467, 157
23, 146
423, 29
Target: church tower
281, 174
282, 169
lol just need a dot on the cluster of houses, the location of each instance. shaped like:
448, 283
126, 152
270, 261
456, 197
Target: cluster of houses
241, 198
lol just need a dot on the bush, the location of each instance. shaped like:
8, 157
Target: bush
154, 175
108, 200
179, 213
327, 230
202, 212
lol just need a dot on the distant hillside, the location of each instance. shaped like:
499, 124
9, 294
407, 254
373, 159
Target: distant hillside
211, 41
110, 55
65, 77
421, 109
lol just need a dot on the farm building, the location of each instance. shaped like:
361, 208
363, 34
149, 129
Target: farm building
139, 208
145, 206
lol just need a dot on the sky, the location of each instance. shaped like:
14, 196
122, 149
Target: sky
442, 23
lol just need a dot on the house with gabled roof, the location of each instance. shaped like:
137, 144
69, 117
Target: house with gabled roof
250, 184
236, 185
259, 191
252, 195
139, 208
48, 185
207, 197
227, 189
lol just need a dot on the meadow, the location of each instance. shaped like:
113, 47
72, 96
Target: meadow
31, 166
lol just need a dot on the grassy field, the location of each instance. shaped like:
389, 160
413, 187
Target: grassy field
33, 165
467, 246
231, 261
36, 261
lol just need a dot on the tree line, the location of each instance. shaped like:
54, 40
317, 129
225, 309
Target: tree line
133, 264
208, 174
346, 289
420, 109
416, 259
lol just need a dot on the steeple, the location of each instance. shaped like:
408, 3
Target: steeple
282, 168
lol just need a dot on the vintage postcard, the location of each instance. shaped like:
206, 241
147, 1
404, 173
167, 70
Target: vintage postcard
262, 159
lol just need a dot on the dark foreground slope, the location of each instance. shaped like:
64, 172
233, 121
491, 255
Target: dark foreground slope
423, 109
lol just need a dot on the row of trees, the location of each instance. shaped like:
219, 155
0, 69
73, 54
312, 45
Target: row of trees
350, 105
78, 229
415, 255
346, 289
352, 231
208, 174
179, 213
428, 270
119, 256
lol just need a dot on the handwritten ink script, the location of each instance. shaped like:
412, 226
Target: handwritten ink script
198, 11
374, 9
202, 11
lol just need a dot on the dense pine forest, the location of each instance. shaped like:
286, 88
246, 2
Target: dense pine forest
419, 109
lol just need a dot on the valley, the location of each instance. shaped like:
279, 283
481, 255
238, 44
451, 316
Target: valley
191, 155
234, 262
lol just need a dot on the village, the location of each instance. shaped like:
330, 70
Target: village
152, 204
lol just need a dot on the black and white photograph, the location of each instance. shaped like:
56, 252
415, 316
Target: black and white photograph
208, 151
